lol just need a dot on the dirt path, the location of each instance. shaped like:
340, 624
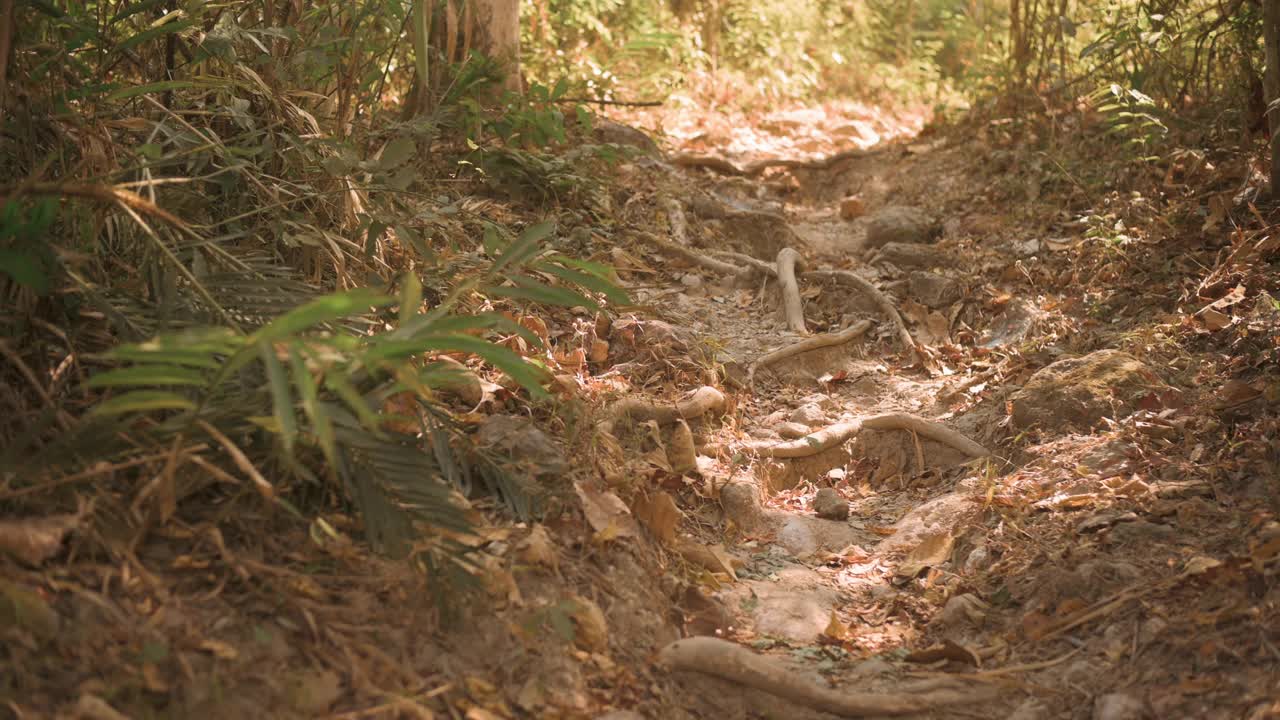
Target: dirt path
1044, 579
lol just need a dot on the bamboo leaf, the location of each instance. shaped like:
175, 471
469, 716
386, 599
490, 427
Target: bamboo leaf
143, 375
321, 310
143, 401
281, 398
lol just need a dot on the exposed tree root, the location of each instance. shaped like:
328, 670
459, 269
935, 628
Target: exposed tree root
737, 664
699, 259
675, 218
748, 262
724, 166
841, 432
704, 400
869, 289
926, 429
850, 333
788, 258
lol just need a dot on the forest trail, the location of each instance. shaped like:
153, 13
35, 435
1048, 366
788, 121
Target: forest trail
1057, 576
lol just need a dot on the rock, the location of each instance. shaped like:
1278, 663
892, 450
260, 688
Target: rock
741, 503
1142, 533
852, 207
1079, 392
809, 415
1011, 326
792, 430
1119, 706
979, 559
933, 290
691, 280
615, 133
830, 505
900, 224
912, 255
521, 441
962, 610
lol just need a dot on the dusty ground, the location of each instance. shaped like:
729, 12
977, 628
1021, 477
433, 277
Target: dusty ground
1114, 557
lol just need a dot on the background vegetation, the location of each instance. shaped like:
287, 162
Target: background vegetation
243, 237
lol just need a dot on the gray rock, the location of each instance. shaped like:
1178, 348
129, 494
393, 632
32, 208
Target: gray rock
979, 559
809, 415
523, 443
792, 430
900, 224
1142, 533
1119, 706
912, 255
741, 503
933, 290
1079, 392
831, 505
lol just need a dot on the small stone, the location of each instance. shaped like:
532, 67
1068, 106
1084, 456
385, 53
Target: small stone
900, 224
979, 559
691, 280
831, 505
792, 430
741, 503
1119, 706
852, 207
912, 255
1142, 532
809, 415
933, 290
836, 475
961, 610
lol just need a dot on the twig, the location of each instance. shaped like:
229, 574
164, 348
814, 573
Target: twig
788, 258
850, 333
737, 664
709, 263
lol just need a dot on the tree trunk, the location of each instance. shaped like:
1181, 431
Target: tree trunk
496, 34
1271, 82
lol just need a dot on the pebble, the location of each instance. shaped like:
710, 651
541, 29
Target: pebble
830, 505
792, 430
810, 415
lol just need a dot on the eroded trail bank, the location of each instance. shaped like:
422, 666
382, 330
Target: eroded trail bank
973, 437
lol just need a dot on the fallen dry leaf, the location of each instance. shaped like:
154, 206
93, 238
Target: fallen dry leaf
660, 515
933, 550
946, 650
606, 513
537, 548
35, 540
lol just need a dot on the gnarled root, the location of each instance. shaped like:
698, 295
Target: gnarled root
704, 400
849, 334
870, 290
841, 432
788, 258
737, 664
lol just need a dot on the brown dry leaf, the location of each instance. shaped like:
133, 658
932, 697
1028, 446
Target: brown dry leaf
713, 558
946, 650
660, 515
152, 680
599, 351
1219, 207
933, 550
1215, 320
1035, 625
537, 326
1235, 392
1201, 564
35, 540
606, 513
219, 649
538, 548
852, 207
681, 453
592, 632
92, 707
835, 629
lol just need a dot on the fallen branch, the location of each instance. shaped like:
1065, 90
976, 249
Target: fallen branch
841, 432
732, 662
704, 400
850, 333
870, 290
788, 258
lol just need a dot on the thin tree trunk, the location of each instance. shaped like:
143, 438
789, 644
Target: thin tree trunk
1271, 82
